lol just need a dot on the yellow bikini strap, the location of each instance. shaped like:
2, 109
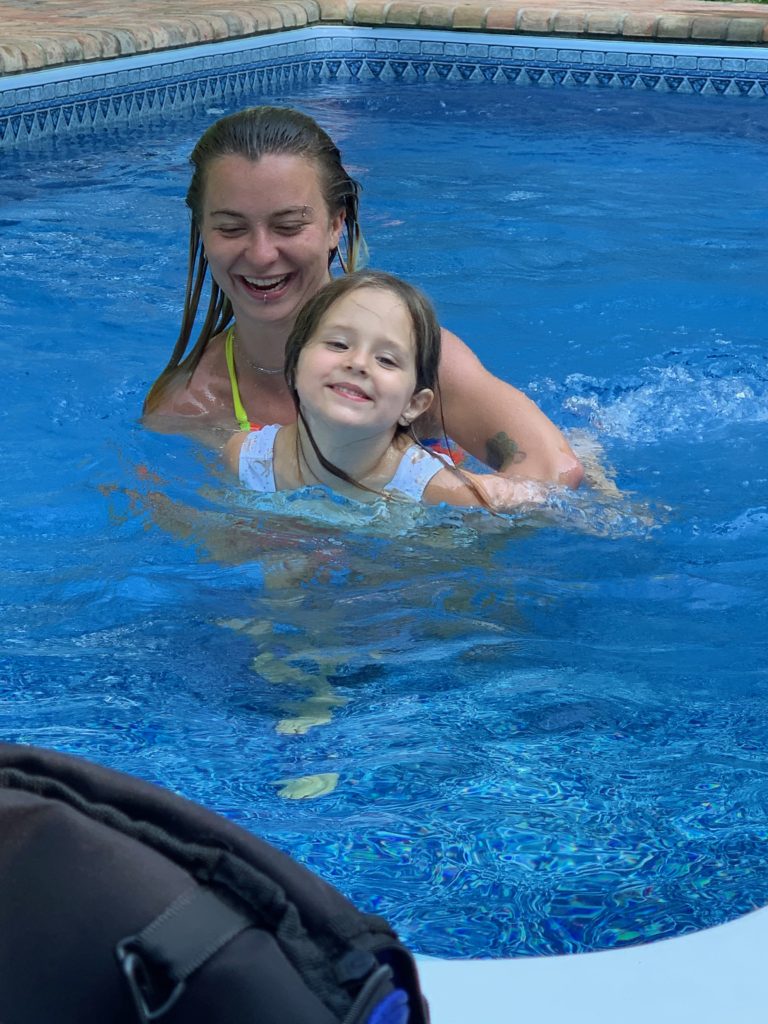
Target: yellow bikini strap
229, 351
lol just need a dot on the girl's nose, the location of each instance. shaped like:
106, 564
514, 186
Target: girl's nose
357, 360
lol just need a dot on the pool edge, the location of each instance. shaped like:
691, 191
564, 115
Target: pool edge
714, 976
29, 44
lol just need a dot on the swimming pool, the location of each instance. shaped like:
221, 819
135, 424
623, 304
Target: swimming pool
546, 741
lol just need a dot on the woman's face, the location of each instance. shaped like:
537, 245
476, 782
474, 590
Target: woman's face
267, 234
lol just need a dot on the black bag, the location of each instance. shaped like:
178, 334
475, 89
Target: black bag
121, 902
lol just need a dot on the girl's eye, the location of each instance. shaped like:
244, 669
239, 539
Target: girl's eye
388, 361
337, 346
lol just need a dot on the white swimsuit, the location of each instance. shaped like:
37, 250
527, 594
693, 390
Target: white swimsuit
257, 469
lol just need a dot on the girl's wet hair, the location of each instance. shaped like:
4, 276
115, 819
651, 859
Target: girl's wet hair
254, 133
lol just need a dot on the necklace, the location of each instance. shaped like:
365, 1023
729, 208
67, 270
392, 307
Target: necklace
270, 371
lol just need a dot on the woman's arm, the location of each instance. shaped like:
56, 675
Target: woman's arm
498, 424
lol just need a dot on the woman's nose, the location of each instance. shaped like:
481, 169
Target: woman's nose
262, 248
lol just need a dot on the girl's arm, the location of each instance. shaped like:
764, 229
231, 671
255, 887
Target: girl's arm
488, 490
232, 451
498, 424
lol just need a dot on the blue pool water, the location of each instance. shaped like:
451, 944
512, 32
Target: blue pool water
546, 734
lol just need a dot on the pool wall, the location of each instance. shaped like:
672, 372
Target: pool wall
135, 90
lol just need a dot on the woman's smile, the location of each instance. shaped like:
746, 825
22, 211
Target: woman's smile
266, 288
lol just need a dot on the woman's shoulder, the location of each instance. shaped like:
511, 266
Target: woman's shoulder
177, 396
203, 391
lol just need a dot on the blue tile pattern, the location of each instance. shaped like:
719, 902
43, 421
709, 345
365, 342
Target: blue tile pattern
130, 91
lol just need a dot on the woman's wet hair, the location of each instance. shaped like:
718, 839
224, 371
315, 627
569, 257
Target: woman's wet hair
254, 133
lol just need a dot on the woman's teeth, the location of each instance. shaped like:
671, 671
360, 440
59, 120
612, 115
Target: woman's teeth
266, 283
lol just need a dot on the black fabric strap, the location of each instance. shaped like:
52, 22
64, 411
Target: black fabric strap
158, 960
189, 932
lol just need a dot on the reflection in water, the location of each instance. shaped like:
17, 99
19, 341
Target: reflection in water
280, 663
348, 588
307, 787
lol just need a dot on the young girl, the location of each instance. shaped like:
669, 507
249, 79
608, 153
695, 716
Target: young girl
361, 364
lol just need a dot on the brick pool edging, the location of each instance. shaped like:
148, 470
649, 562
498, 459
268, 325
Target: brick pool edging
37, 35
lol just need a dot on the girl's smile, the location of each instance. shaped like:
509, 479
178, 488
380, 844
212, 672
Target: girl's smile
350, 391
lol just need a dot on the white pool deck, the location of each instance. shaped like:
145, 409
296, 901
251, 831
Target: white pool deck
716, 976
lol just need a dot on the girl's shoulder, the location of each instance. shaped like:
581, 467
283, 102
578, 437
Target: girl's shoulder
251, 456
416, 468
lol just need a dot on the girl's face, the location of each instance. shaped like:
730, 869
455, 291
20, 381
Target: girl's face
267, 234
358, 369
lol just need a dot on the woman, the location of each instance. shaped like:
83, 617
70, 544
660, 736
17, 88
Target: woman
272, 208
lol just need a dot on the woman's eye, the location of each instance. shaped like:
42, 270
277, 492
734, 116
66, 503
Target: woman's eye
290, 229
229, 230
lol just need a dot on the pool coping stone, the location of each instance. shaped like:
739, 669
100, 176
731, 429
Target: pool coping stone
39, 34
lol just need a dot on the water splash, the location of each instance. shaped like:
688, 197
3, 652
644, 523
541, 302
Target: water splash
665, 400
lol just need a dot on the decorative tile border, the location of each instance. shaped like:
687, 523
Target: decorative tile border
132, 91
